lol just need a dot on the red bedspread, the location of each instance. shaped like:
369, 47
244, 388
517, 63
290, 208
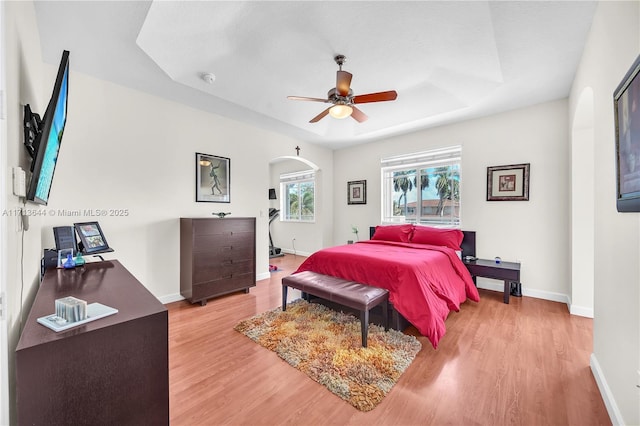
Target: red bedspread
425, 282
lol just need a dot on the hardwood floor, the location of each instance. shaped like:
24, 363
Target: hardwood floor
526, 363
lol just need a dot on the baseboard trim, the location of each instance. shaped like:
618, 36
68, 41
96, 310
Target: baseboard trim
170, 298
605, 392
263, 276
176, 297
580, 311
297, 252
497, 285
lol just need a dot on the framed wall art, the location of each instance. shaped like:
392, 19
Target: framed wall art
508, 183
357, 192
213, 178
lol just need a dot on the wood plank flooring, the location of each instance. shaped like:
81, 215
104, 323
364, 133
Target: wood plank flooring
526, 363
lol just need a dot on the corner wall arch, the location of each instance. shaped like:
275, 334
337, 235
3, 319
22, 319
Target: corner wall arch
309, 163
583, 205
302, 238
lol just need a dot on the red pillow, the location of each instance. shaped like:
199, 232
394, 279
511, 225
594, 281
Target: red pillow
400, 233
451, 238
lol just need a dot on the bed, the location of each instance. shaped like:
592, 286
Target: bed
420, 266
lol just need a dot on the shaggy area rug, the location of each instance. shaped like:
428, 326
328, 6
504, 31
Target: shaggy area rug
327, 346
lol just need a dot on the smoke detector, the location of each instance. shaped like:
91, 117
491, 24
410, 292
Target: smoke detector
208, 77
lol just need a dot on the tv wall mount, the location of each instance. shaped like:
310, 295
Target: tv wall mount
32, 129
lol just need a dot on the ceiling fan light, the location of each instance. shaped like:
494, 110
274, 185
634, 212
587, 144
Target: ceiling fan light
340, 111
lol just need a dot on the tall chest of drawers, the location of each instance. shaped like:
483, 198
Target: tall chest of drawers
217, 256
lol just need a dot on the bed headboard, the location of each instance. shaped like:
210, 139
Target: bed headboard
468, 241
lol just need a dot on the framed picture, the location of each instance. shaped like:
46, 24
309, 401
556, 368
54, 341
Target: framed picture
357, 192
213, 178
508, 183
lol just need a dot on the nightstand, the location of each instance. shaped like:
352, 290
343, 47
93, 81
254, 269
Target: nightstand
507, 271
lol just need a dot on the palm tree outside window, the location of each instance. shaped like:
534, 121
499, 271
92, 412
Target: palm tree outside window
298, 202
422, 188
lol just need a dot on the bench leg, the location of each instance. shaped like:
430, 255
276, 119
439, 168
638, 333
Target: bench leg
284, 297
364, 326
385, 315
395, 320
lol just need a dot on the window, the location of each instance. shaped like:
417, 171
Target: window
298, 200
422, 188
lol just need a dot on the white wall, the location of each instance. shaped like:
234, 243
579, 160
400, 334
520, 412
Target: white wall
534, 232
24, 84
613, 45
4, 339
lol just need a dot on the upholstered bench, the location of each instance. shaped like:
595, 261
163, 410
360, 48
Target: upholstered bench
343, 292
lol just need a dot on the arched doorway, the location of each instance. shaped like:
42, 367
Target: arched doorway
294, 237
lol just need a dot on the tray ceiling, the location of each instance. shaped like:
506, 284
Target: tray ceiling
448, 61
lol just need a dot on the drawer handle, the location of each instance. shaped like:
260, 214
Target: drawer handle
227, 262
227, 248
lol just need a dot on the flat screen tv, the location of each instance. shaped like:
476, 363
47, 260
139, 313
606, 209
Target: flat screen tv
43, 137
626, 104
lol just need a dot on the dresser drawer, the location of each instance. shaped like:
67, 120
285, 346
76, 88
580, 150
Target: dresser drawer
223, 242
498, 271
222, 286
222, 226
221, 269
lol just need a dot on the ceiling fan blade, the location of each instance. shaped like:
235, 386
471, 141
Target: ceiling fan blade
390, 95
358, 115
343, 82
320, 116
304, 98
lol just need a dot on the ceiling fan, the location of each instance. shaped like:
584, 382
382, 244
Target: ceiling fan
343, 99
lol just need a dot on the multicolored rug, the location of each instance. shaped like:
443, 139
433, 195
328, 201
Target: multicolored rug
326, 345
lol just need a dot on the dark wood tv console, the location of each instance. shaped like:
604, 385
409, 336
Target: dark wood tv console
114, 370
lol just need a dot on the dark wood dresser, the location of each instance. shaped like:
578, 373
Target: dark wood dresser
217, 256
114, 370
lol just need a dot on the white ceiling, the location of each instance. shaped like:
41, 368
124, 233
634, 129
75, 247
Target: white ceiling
448, 61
